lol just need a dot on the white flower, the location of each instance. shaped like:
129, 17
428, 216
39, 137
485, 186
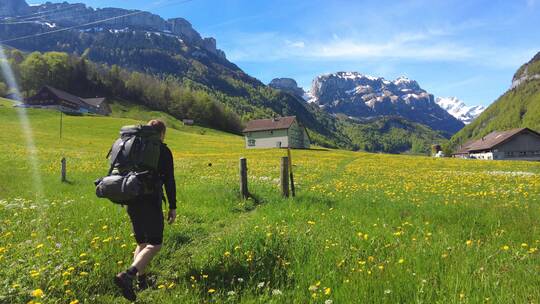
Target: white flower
328, 301
276, 292
260, 285
240, 280
231, 293
387, 291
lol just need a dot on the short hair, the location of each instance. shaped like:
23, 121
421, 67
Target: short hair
158, 125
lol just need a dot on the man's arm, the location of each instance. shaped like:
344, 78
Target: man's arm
170, 183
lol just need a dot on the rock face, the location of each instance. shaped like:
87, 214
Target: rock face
361, 96
66, 15
288, 85
459, 109
528, 71
13, 7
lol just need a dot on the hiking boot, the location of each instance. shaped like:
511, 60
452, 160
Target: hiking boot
142, 282
125, 282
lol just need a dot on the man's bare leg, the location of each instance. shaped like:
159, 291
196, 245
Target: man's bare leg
144, 256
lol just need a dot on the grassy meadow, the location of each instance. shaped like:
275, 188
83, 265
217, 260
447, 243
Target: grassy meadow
364, 228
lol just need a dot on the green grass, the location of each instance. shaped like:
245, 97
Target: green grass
368, 228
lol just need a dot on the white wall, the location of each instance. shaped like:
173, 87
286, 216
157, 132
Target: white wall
267, 139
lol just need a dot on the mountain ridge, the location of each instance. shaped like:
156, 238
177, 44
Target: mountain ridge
459, 109
363, 96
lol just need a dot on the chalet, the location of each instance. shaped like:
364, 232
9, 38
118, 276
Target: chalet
49, 97
515, 144
281, 132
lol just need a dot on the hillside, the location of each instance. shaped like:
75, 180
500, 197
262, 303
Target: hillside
518, 107
392, 135
170, 50
373, 227
168, 66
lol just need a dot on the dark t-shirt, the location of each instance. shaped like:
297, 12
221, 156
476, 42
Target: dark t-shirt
166, 174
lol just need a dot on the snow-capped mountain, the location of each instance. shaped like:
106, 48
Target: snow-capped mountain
361, 96
459, 109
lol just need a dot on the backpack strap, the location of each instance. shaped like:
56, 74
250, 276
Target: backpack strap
114, 153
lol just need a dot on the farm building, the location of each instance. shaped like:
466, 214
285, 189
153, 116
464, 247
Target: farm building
49, 97
515, 144
281, 132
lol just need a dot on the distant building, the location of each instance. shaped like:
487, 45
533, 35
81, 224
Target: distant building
188, 122
49, 97
281, 132
515, 144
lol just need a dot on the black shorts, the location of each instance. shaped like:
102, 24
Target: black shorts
146, 217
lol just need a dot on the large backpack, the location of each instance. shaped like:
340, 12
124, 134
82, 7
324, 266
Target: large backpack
133, 161
136, 150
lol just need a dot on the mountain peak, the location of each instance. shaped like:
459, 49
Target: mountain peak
13, 7
288, 85
459, 109
358, 95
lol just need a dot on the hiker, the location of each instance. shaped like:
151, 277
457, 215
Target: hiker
146, 216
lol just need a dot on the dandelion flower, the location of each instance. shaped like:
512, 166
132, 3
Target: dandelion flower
211, 290
38, 293
327, 290
74, 302
505, 247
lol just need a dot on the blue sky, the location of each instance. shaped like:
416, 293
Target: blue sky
467, 49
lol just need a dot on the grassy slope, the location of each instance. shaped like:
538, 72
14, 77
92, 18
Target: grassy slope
519, 107
364, 227
393, 135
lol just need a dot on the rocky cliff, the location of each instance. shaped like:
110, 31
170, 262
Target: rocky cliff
77, 14
13, 8
528, 71
288, 85
362, 96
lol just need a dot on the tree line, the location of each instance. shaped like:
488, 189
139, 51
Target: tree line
81, 77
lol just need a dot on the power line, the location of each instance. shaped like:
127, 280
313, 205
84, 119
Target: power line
89, 23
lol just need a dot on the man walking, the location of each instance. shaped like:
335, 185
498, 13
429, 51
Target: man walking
146, 216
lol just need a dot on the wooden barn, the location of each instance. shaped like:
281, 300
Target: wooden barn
515, 144
280, 132
49, 97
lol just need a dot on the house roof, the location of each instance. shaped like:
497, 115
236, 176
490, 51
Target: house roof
278, 123
96, 102
492, 140
66, 96
84, 102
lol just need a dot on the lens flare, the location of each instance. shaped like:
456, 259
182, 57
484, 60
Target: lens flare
26, 128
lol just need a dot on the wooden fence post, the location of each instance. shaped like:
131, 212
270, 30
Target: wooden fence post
63, 162
243, 178
293, 190
285, 176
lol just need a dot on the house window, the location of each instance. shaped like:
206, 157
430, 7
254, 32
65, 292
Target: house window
522, 153
278, 144
251, 142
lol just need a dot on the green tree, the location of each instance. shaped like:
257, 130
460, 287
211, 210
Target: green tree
34, 72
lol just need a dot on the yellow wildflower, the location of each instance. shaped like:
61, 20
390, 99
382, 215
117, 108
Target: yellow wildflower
38, 293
